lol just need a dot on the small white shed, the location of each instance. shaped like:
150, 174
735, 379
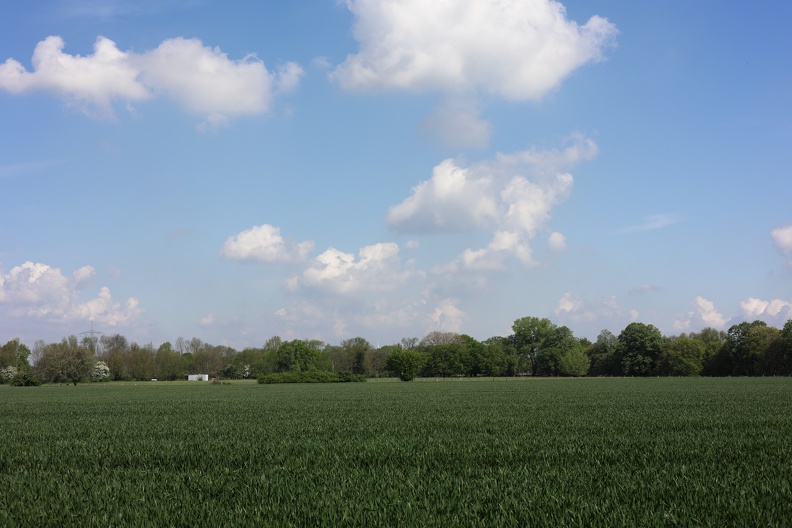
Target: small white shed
197, 377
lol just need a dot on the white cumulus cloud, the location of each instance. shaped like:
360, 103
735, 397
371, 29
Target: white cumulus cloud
703, 315
516, 50
511, 196
377, 267
92, 82
202, 79
760, 309
39, 291
264, 243
782, 238
569, 304
556, 242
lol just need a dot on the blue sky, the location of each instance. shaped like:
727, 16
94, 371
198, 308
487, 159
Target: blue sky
236, 170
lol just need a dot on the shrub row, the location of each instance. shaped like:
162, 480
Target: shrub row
311, 376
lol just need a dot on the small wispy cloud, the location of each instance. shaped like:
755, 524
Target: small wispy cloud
650, 223
782, 239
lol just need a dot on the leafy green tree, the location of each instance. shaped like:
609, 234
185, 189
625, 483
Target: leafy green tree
168, 364
548, 362
208, 359
298, 355
356, 349
602, 357
115, 351
14, 354
338, 358
375, 362
574, 362
249, 363
437, 337
404, 363
65, 362
140, 362
444, 360
756, 345
561, 344
639, 348
682, 356
501, 357
473, 356
530, 337
742, 354
778, 356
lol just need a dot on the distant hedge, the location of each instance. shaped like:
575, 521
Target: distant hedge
25, 379
311, 376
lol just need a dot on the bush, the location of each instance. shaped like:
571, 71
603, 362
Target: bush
25, 379
100, 372
309, 376
6, 373
346, 377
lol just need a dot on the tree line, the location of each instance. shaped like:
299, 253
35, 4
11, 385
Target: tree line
537, 347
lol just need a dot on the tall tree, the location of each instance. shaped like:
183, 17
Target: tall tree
356, 349
778, 356
65, 362
601, 355
440, 338
14, 354
530, 337
639, 347
404, 363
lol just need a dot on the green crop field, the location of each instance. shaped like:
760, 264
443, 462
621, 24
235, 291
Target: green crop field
534, 452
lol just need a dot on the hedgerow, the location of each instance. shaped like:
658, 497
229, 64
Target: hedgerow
310, 376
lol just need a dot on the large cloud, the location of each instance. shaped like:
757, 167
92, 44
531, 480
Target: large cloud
518, 50
511, 196
515, 50
202, 79
704, 315
776, 309
264, 243
377, 268
39, 291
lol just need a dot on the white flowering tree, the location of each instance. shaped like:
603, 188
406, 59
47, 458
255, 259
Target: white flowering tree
101, 372
6, 373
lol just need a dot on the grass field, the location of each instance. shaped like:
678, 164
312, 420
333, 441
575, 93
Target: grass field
560, 452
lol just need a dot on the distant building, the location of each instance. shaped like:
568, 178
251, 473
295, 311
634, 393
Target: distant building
198, 377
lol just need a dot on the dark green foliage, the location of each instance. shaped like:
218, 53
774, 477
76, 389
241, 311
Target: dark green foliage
574, 362
357, 348
24, 379
778, 356
638, 349
310, 376
299, 355
444, 360
535, 452
14, 354
681, 357
531, 336
345, 377
404, 363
